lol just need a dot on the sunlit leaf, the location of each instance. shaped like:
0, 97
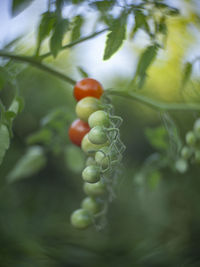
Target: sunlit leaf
29, 164
116, 37
76, 31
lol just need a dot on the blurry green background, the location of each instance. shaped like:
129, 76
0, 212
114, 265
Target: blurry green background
146, 226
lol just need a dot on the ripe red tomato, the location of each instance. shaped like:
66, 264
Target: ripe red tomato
87, 87
77, 131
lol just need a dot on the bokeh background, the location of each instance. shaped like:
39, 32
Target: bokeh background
147, 224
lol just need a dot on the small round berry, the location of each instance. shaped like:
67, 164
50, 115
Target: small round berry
94, 190
87, 87
91, 174
77, 131
186, 152
181, 165
81, 219
97, 135
197, 127
88, 147
99, 118
86, 106
190, 138
102, 157
90, 161
92, 205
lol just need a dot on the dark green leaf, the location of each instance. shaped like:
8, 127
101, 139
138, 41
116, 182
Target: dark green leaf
4, 141
157, 137
72, 153
4, 77
30, 163
43, 136
103, 6
61, 26
46, 24
116, 37
19, 5
140, 22
187, 71
76, 31
83, 73
146, 59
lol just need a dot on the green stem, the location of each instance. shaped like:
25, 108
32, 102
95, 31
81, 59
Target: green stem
76, 42
154, 103
38, 64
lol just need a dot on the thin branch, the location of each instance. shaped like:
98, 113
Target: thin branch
76, 42
154, 103
38, 64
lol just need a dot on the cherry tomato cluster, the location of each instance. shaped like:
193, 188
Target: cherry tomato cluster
97, 135
190, 152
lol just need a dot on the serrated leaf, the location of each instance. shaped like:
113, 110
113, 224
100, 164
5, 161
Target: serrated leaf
83, 73
46, 25
157, 137
19, 5
4, 141
29, 164
76, 31
116, 37
146, 59
187, 71
61, 27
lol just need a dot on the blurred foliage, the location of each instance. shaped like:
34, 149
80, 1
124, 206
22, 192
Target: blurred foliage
155, 218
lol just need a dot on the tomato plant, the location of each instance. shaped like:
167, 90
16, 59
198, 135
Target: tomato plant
77, 131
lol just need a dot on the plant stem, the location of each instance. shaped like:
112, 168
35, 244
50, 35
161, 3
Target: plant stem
158, 105
76, 42
38, 64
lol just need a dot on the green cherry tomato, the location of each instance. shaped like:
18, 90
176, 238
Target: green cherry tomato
81, 219
92, 205
197, 127
88, 147
97, 135
99, 118
186, 152
91, 174
190, 138
86, 106
90, 161
181, 165
95, 189
102, 157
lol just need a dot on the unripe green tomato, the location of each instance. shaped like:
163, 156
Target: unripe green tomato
99, 118
86, 106
181, 165
90, 161
197, 156
97, 135
92, 205
186, 152
197, 127
94, 190
81, 219
91, 174
102, 158
88, 147
190, 138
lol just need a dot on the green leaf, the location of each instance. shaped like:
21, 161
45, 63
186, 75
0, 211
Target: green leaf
140, 22
146, 59
157, 137
83, 73
43, 136
187, 72
19, 5
116, 37
103, 6
74, 159
76, 31
4, 140
30, 163
4, 77
154, 179
61, 26
46, 25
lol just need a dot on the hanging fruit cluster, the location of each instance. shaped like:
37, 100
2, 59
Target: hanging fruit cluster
96, 131
190, 153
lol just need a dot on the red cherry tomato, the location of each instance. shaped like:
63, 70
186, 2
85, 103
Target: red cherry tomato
87, 87
77, 131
